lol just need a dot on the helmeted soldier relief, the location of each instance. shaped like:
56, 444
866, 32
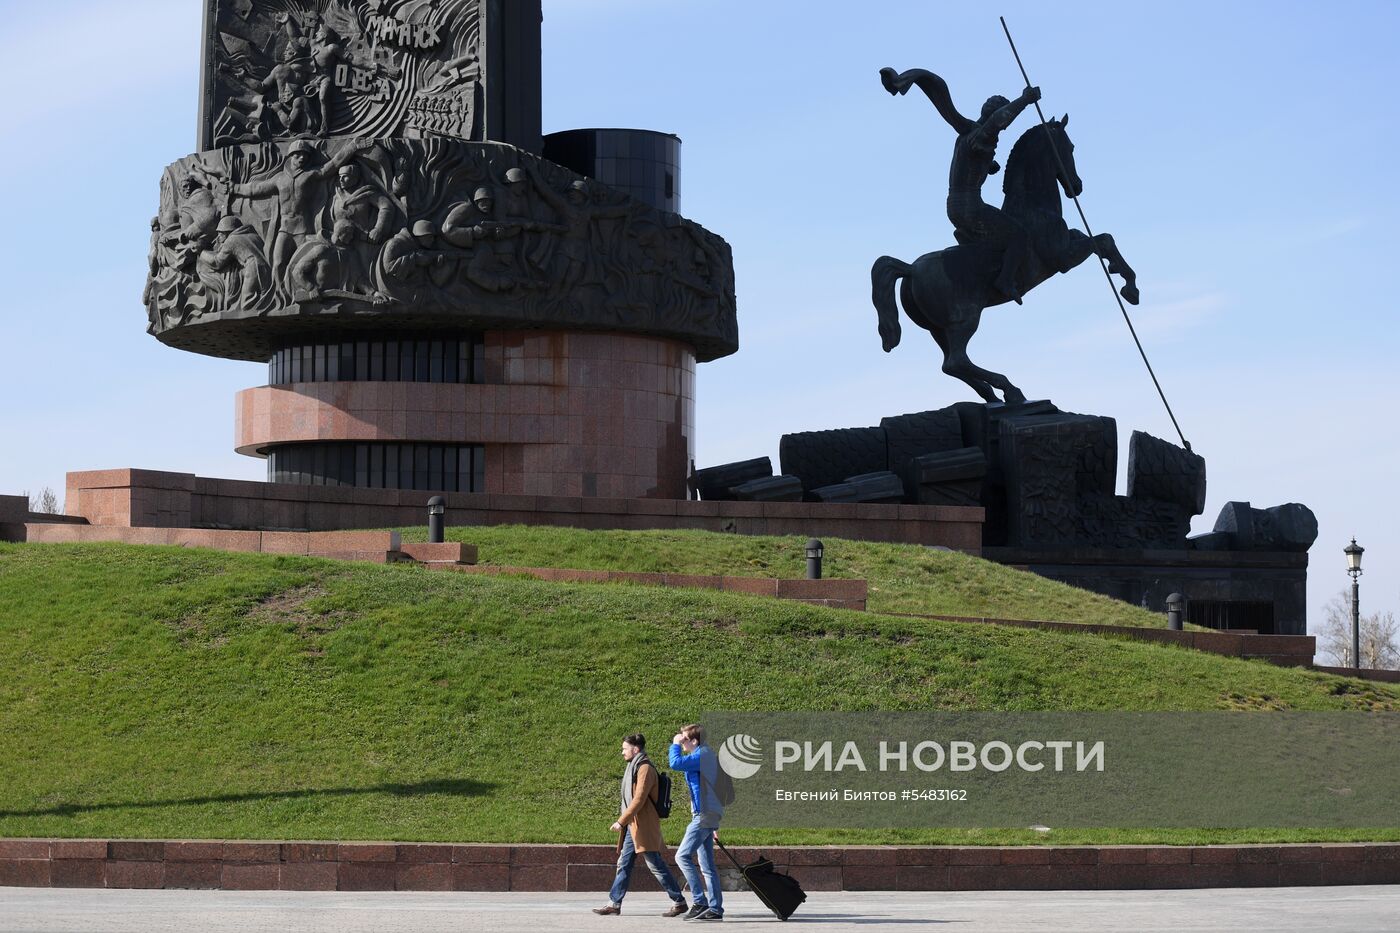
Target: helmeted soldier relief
238, 253
299, 191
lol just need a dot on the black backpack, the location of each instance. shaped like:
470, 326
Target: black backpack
662, 803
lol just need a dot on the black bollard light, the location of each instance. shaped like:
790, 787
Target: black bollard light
814, 559
1176, 604
437, 519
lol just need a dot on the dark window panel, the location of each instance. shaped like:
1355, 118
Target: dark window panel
421, 361
435, 362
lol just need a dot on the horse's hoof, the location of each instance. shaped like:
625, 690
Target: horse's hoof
1129, 293
1014, 397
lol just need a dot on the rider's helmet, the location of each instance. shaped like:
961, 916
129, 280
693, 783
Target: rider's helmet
993, 104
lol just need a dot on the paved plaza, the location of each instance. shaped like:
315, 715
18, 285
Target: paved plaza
43, 910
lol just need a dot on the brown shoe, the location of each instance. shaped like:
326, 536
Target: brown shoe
676, 910
608, 910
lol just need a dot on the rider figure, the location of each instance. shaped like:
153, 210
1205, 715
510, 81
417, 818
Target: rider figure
974, 158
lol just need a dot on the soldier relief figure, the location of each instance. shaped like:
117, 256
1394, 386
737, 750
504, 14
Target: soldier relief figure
1001, 253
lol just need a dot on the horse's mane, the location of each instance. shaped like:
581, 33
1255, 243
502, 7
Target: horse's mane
1031, 150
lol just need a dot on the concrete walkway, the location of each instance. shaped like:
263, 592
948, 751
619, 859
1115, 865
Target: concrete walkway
44, 910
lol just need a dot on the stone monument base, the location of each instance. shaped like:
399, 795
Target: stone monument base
148, 498
1262, 591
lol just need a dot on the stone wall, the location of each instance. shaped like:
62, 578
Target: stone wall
143, 498
368, 866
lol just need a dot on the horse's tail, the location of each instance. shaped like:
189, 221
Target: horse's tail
883, 276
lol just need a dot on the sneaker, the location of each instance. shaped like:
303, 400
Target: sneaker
609, 910
695, 911
710, 914
676, 910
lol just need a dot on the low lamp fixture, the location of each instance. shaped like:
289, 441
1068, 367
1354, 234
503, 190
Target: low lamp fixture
1353, 551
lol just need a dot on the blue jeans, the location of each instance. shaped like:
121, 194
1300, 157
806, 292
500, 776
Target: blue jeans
699, 839
627, 857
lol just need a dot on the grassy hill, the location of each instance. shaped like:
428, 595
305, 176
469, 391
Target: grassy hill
166, 692
903, 578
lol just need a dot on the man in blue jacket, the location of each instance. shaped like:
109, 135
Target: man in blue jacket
690, 754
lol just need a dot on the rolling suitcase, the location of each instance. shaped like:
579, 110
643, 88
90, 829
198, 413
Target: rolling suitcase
780, 893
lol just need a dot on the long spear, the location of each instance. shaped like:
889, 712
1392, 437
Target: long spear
1103, 264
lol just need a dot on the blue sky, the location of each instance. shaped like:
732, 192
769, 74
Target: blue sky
1242, 154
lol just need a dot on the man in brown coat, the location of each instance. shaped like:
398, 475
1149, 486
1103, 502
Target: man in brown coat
640, 826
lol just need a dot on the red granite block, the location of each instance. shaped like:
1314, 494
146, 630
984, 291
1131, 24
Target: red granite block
592, 855
1257, 875
1256, 855
1072, 877
24, 848
79, 873
25, 872
694, 581
419, 853
803, 855
754, 586
367, 852
481, 876
121, 874
283, 542
538, 877
638, 578
1299, 853
870, 877
136, 851
1380, 872
974, 855
252, 852
1076, 855
595, 877
921, 878
539, 855
1144, 855
1122, 876
817, 877
1376, 852
366, 876
78, 849
869, 855
1298, 874
1343, 852
249, 876
450, 551
425, 876
310, 852
193, 875
1207, 855
194, 851
1027, 855
1213, 875
480, 853
922, 855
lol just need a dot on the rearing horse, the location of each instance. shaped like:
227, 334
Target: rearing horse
945, 292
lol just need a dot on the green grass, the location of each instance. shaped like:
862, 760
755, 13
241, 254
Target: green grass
180, 693
903, 578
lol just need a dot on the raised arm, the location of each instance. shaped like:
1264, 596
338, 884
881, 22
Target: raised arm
256, 189
682, 762
1003, 117
346, 153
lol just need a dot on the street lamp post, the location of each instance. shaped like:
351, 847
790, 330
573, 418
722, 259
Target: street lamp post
1353, 552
